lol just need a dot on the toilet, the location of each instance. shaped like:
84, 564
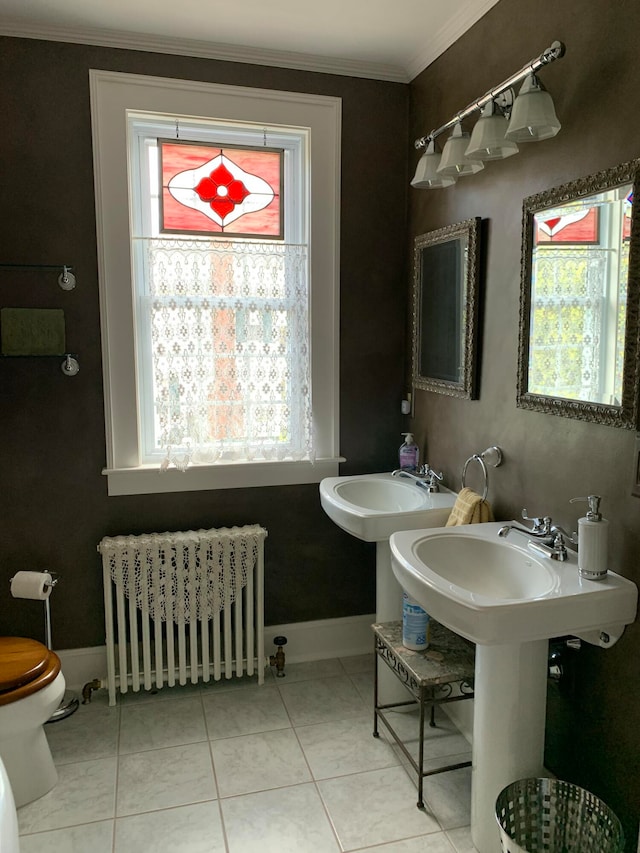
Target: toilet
9, 842
31, 688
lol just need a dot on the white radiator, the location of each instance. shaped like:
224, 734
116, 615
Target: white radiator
188, 605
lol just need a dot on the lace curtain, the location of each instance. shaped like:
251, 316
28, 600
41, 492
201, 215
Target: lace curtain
228, 329
567, 323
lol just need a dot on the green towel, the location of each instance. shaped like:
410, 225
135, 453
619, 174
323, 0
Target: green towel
32, 331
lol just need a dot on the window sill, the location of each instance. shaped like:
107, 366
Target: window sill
147, 479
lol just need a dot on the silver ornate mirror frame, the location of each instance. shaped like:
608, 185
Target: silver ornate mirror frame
623, 415
450, 322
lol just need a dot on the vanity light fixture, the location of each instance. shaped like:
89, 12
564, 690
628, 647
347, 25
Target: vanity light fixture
427, 175
455, 159
488, 138
503, 123
533, 116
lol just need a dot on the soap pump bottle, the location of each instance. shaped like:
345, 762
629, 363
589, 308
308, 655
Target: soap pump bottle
409, 453
593, 530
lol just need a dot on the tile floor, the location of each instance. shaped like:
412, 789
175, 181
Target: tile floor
289, 767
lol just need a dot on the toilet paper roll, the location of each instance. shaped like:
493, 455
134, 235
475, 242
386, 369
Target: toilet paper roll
36, 585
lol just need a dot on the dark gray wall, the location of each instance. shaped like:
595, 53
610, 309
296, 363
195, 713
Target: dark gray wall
54, 507
593, 735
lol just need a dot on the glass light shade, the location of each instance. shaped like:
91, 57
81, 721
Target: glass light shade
454, 161
426, 176
533, 116
488, 136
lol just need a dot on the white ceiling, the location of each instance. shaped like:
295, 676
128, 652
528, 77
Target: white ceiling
378, 39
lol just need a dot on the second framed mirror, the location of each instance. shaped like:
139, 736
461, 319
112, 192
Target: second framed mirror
446, 271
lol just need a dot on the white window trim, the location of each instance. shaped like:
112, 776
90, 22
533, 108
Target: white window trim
112, 95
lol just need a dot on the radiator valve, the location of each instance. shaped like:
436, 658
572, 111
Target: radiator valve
277, 660
89, 687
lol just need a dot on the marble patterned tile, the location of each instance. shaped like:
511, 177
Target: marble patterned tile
162, 778
85, 792
363, 682
90, 733
437, 763
287, 820
356, 664
188, 829
374, 808
435, 843
243, 712
461, 839
159, 694
224, 685
430, 763
258, 762
322, 700
346, 746
449, 797
94, 837
156, 725
441, 741
308, 670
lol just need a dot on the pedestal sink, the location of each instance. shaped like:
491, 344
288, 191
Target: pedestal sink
371, 507
509, 601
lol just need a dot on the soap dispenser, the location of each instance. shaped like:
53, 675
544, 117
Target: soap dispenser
593, 531
409, 453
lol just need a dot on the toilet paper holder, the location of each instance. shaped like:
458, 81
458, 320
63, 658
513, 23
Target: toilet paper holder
70, 702
47, 609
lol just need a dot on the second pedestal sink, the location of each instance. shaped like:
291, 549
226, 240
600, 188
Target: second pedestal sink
371, 507
509, 601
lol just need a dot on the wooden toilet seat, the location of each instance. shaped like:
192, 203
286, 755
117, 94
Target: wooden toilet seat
26, 666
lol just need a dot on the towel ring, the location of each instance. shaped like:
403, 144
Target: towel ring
491, 456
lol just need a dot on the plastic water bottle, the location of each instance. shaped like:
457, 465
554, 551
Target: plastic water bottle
415, 624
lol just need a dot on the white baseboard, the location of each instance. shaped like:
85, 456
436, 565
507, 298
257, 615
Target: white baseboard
318, 640
324, 638
79, 666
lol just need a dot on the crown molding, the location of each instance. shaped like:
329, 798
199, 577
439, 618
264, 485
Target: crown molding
207, 50
443, 38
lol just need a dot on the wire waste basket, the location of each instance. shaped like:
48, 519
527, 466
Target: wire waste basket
551, 816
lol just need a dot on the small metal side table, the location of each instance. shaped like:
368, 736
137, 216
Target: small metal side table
430, 677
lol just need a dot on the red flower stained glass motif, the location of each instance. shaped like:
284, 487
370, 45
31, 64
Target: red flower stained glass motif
222, 191
207, 189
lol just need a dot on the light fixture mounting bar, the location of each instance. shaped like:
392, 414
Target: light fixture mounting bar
556, 51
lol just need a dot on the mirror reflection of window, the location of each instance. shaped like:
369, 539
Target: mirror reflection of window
578, 298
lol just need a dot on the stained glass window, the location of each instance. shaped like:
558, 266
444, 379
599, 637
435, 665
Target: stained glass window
579, 226
210, 189
222, 284
626, 222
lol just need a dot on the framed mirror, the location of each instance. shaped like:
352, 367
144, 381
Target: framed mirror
446, 266
578, 348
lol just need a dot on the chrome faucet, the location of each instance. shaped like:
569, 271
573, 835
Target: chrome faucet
426, 477
544, 537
